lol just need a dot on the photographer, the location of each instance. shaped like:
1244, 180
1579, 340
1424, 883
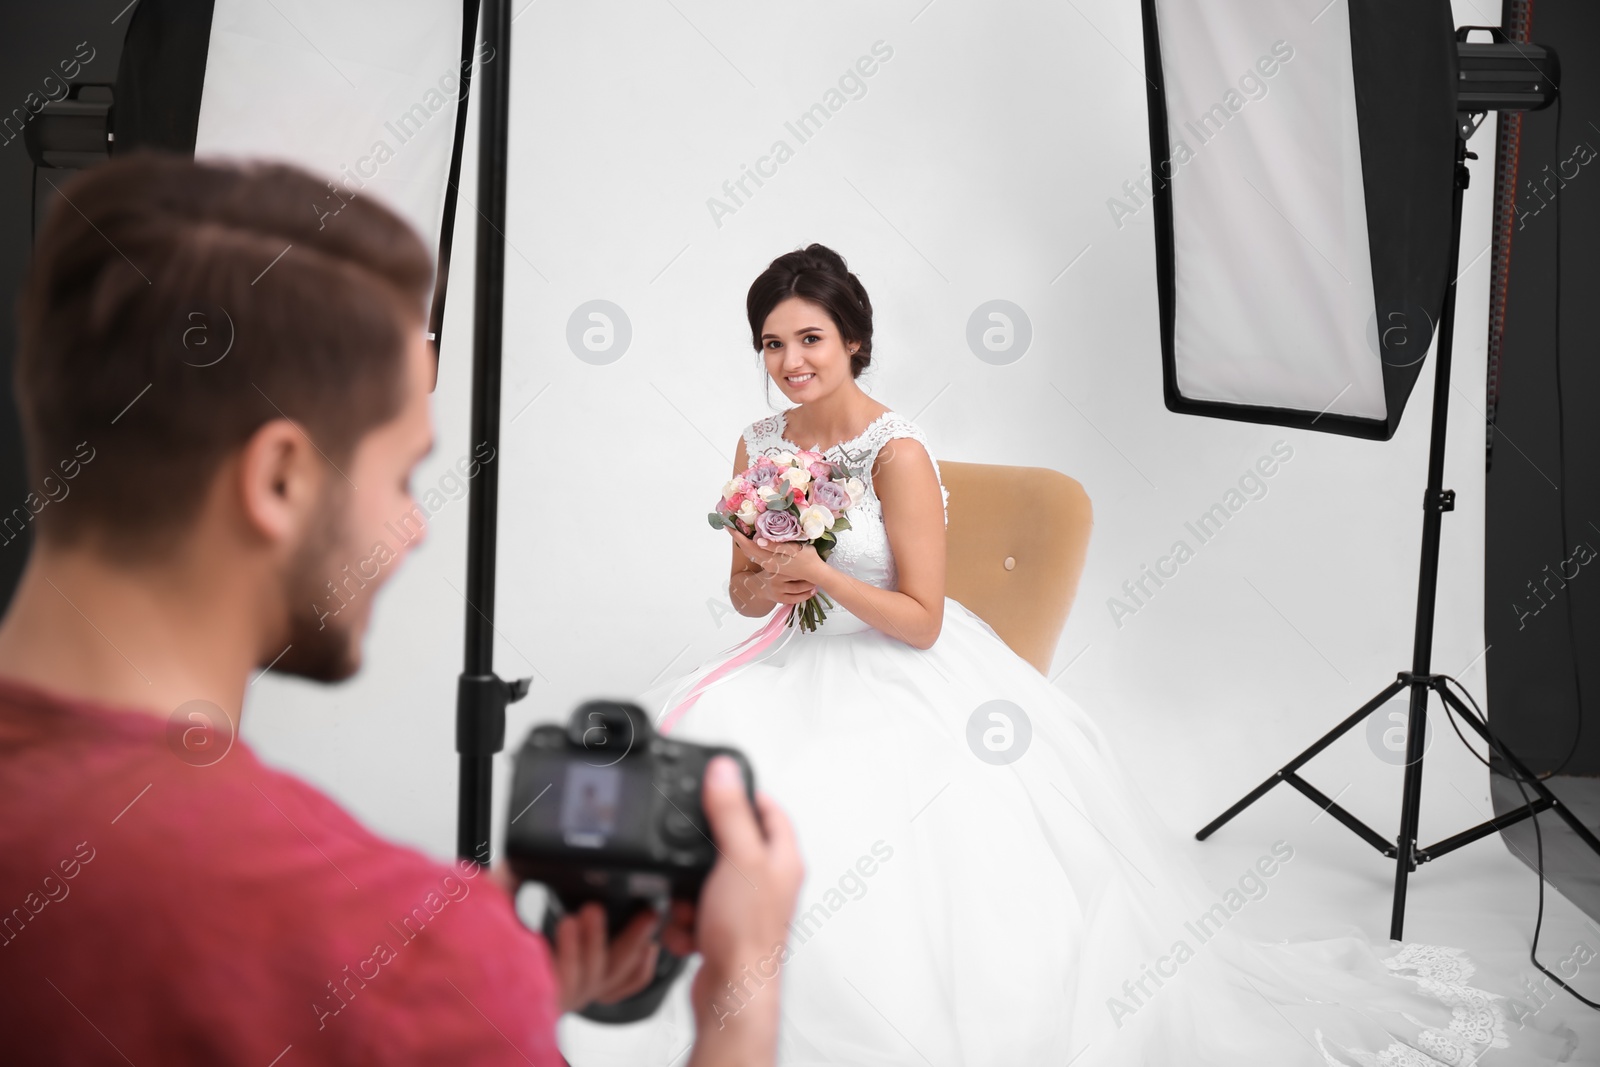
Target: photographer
252, 386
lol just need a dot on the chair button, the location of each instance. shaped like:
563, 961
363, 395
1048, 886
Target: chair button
1011, 563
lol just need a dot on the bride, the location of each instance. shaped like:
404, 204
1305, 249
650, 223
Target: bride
985, 885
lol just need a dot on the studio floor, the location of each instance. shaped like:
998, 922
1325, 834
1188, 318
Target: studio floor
1482, 898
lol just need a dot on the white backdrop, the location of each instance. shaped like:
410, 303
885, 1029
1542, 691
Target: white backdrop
979, 161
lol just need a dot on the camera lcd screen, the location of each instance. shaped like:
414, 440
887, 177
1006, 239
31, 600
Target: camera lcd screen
589, 804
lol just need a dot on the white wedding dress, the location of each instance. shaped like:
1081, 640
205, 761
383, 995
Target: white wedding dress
996, 891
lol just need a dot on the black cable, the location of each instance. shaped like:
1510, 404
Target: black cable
1533, 816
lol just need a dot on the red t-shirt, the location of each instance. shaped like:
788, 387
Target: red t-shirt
154, 911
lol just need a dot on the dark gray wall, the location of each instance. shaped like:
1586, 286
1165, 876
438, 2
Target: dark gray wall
1542, 641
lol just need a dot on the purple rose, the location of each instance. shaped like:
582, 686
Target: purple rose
765, 474
830, 495
779, 525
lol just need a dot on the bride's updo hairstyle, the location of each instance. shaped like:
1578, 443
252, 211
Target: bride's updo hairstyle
816, 273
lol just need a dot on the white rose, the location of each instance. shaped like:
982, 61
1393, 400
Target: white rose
769, 494
733, 487
785, 459
747, 512
816, 520
797, 476
857, 489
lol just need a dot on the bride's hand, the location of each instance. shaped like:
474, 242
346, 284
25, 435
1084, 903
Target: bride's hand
791, 558
777, 579
779, 588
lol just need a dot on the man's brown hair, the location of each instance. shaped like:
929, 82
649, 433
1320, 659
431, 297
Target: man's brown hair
174, 306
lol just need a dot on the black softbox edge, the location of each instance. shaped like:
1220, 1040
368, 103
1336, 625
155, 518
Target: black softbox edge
1401, 54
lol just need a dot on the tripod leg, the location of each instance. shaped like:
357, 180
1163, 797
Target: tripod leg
1410, 804
1529, 778
1295, 764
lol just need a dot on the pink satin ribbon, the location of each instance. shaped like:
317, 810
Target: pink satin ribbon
750, 648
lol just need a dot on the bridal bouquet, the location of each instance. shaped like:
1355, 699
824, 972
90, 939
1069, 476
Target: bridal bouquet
797, 496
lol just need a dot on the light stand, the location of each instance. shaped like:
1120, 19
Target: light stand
482, 695
1436, 500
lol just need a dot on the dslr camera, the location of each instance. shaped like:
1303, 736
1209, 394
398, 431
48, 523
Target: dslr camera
605, 809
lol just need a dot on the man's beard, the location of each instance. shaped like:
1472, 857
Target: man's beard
324, 642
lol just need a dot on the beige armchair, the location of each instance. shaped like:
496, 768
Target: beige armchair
1015, 548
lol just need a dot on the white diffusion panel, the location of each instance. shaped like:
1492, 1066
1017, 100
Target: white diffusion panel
1273, 286
364, 93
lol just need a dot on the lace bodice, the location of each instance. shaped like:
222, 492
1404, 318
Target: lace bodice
863, 551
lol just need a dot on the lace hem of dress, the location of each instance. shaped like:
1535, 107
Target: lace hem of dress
1477, 1023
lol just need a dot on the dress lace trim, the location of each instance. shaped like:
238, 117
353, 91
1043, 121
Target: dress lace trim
861, 451
1477, 1023
783, 428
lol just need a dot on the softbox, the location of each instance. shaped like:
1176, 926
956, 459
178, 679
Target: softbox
373, 97
1301, 182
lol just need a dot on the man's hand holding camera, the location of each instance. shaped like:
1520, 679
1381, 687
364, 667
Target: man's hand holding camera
742, 915
589, 970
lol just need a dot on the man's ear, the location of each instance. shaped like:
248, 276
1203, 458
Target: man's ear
279, 480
